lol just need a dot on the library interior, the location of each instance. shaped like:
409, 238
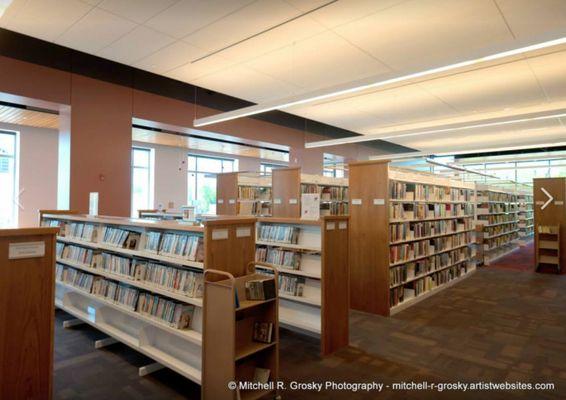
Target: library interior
282, 199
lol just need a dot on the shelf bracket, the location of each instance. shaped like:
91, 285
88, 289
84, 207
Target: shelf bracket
98, 344
148, 369
72, 322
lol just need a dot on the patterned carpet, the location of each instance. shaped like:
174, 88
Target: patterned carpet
522, 259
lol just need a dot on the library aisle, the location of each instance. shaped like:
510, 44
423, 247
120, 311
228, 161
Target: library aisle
497, 326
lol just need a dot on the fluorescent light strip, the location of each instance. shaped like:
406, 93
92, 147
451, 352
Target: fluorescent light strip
282, 104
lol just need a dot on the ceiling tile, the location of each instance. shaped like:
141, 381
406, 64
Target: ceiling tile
190, 72
320, 62
550, 71
241, 24
535, 21
350, 119
136, 45
44, 19
96, 30
418, 35
493, 88
136, 10
187, 16
169, 57
247, 84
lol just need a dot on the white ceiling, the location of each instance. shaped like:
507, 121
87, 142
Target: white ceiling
341, 43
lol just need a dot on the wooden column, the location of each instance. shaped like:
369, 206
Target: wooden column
26, 312
554, 213
227, 193
286, 189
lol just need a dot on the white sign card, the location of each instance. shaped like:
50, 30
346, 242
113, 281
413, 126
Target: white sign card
93, 204
342, 225
310, 206
293, 201
243, 231
220, 201
330, 226
357, 202
558, 203
26, 250
219, 234
232, 201
277, 201
378, 202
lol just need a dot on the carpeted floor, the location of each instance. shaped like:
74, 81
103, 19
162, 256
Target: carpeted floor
522, 259
496, 326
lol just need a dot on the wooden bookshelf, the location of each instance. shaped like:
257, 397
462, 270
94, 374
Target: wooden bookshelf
313, 268
497, 222
289, 184
233, 356
548, 247
26, 312
159, 215
243, 193
525, 218
553, 213
95, 260
410, 235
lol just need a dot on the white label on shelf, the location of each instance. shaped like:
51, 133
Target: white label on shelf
378, 202
26, 250
219, 234
277, 201
540, 203
342, 225
93, 204
558, 203
220, 201
232, 201
330, 226
356, 202
293, 201
243, 231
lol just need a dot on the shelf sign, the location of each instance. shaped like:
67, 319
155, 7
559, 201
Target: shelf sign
243, 231
550, 198
342, 225
558, 203
357, 202
330, 226
293, 201
277, 201
232, 201
378, 202
26, 250
219, 234
220, 201
93, 204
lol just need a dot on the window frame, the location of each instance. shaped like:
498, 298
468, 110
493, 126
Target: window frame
150, 176
16, 175
209, 173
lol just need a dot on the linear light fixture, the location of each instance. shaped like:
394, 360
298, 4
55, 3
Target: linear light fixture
368, 138
298, 100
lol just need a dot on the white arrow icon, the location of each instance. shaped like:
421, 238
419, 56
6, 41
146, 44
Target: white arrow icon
550, 198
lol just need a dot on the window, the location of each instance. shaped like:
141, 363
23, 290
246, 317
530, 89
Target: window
333, 172
8, 179
142, 179
267, 169
201, 177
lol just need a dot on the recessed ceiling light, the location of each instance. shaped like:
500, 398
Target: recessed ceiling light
295, 101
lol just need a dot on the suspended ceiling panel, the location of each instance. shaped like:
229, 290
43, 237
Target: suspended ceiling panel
37, 119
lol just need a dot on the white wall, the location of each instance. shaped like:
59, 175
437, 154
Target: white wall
37, 160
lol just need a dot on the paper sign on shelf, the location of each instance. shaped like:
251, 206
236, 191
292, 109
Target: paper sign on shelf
219, 234
356, 202
342, 225
378, 202
26, 250
558, 203
220, 201
277, 201
293, 201
330, 226
232, 201
243, 231
93, 204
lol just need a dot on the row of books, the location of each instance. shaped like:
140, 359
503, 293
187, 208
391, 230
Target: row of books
498, 229
260, 289
334, 193
404, 211
180, 245
334, 208
251, 207
414, 230
418, 287
81, 231
174, 314
497, 219
408, 271
491, 208
279, 233
496, 242
292, 285
254, 192
409, 251
122, 238
421, 192
180, 280
283, 258
76, 253
497, 197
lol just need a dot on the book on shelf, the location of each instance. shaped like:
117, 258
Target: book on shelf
176, 315
283, 258
292, 285
261, 375
263, 332
286, 234
122, 238
260, 289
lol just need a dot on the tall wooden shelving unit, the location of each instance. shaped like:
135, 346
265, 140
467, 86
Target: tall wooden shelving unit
496, 221
314, 290
243, 193
233, 356
410, 235
27, 263
289, 184
89, 259
553, 214
526, 218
